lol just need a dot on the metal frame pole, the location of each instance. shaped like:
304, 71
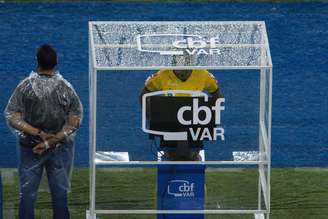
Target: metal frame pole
269, 142
262, 151
92, 125
261, 120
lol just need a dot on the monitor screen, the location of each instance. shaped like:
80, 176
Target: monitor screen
162, 113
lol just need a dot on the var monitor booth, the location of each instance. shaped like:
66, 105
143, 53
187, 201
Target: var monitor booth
179, 153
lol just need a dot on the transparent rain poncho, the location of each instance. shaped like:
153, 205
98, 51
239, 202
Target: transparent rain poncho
46, 103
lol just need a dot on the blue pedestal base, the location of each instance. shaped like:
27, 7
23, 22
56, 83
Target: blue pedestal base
180, 187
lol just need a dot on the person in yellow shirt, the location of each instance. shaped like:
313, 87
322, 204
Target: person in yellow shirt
194, 80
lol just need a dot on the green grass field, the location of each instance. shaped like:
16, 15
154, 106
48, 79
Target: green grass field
296, 193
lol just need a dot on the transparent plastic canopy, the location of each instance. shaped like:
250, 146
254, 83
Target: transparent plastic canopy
137, 46
154, 45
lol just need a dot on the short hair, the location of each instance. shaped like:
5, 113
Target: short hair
47, 57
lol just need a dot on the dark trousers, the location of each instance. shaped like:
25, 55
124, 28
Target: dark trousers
57, 163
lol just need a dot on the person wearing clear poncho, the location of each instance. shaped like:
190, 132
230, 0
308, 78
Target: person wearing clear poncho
44, 112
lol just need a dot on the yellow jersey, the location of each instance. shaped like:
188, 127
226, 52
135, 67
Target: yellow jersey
199, 80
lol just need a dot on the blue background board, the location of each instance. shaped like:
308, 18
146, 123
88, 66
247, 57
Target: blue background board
298, 36
1, 205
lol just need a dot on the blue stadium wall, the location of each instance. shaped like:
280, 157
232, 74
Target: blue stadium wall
298, 35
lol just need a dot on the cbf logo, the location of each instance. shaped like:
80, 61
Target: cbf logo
178, 44
209, 112
181, 188
196, 125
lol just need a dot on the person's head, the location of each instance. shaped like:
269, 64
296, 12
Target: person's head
185, 60
183, 75
46, 57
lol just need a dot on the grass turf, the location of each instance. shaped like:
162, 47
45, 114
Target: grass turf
296, 193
